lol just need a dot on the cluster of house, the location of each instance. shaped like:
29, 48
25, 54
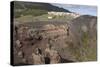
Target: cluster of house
63, 14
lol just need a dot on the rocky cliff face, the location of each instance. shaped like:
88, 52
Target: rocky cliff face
68, 42
28, 39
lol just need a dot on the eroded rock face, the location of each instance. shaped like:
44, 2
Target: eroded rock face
68, 42
31, 38
38, 59
53, 55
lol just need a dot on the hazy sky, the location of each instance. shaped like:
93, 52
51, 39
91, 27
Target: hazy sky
81, 9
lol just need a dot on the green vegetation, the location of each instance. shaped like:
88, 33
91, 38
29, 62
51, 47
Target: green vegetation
85, 38
44, 17
32, 12
85, 50
88, 50
34, 9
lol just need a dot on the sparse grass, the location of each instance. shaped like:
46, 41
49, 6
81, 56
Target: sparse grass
27, 18
44, 17
86, 51
33, 12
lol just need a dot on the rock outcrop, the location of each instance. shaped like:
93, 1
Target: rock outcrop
68, 42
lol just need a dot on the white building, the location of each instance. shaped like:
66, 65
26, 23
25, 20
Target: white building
63, 14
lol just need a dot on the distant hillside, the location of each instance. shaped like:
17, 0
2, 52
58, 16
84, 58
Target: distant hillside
35, 5
34, 8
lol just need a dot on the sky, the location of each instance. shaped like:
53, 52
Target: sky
81, 9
